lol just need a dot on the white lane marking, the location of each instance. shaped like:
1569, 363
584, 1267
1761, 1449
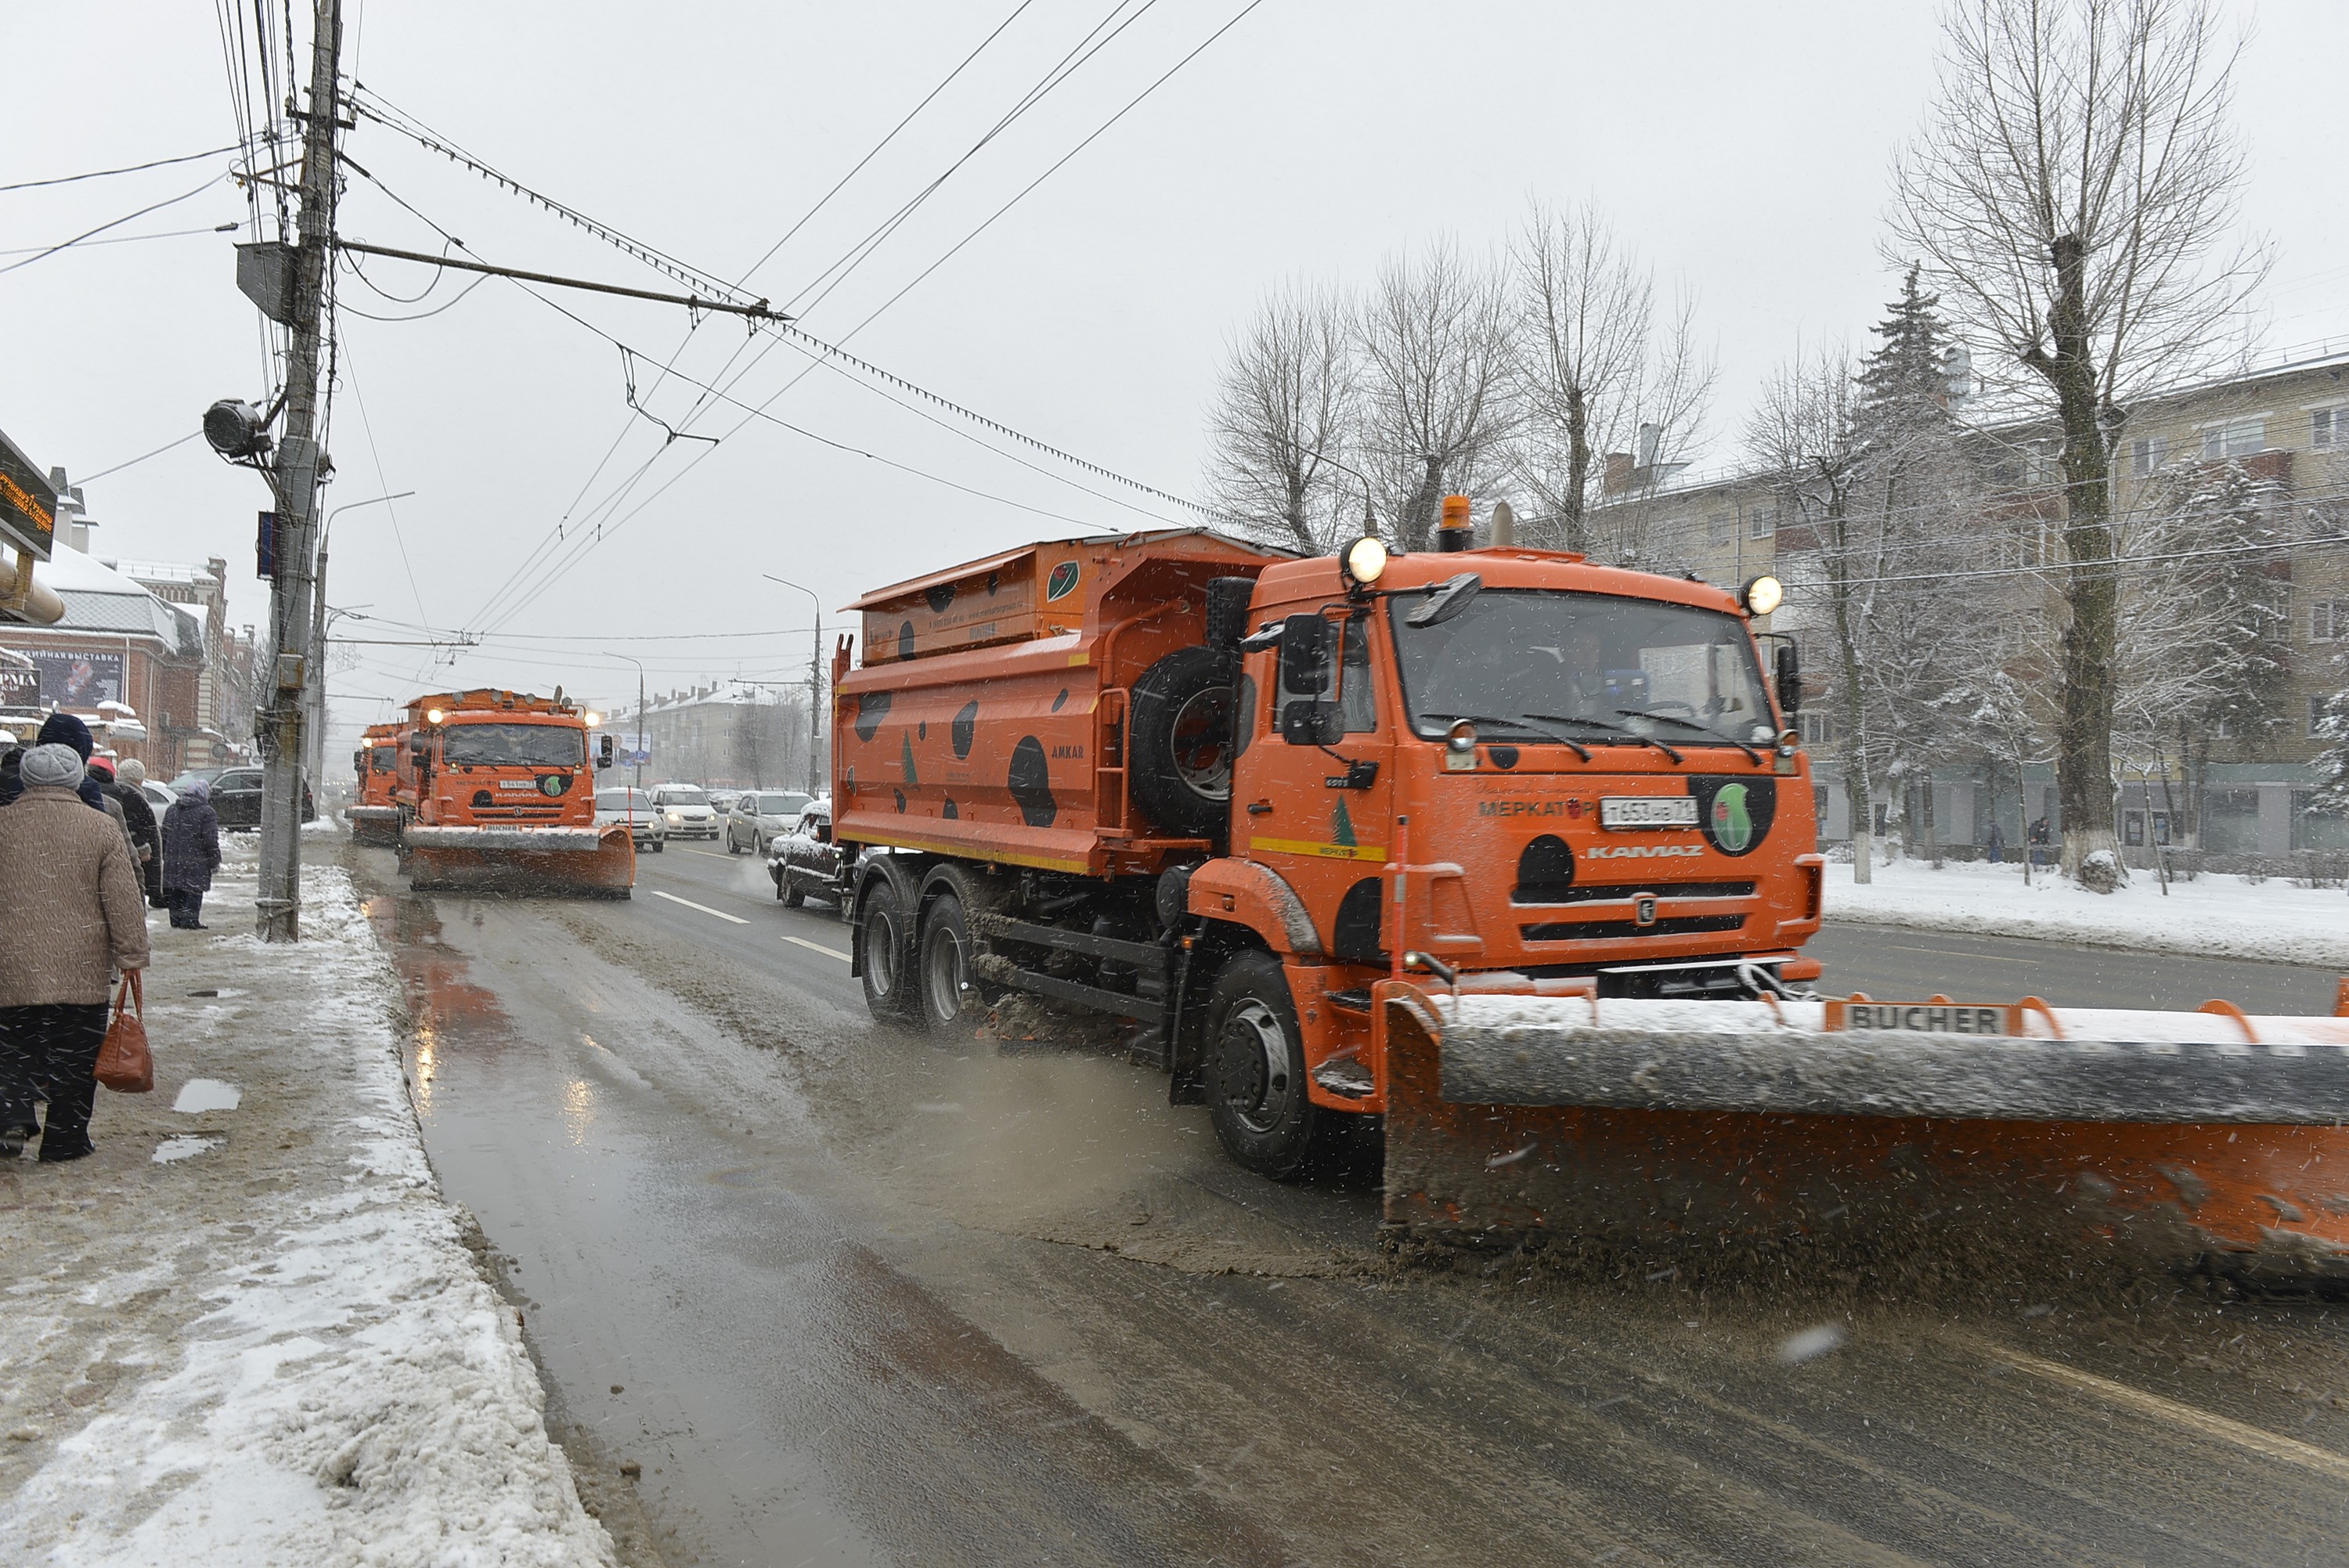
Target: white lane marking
713, 854
817, 948
702, 907
2274, 1445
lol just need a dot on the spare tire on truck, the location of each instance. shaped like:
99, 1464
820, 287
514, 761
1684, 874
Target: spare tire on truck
1180, 744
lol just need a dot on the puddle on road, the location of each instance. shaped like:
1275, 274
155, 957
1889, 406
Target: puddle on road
200, 1094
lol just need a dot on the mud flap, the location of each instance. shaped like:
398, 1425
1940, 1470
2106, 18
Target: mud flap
2246, 1195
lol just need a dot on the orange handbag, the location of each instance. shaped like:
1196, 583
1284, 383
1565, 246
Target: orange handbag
124, 1064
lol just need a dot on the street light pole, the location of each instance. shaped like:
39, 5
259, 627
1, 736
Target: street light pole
815, 682
316, 728
638, 749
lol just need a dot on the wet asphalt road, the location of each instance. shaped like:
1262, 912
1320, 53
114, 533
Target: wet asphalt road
850, 1295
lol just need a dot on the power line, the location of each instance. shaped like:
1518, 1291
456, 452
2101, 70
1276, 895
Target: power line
142, 458
126, 168
229, 228
115, 223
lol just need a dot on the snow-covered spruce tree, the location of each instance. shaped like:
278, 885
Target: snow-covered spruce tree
1917, 482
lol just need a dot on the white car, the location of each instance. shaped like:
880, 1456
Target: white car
685, 810
761, 815
647, 830
162, 797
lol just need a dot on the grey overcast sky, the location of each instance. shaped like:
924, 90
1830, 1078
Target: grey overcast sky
1742, 148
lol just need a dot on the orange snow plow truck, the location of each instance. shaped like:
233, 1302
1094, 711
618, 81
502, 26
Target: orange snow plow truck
373, 816
1518, 854
496, 789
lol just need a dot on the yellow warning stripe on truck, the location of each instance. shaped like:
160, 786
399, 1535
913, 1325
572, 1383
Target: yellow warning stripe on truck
1321, 850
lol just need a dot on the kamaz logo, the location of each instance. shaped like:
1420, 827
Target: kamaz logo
1639, 852
1069, 751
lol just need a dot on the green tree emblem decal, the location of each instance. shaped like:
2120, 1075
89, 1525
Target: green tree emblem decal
1733, 825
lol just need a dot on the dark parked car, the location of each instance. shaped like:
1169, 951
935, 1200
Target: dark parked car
236, 797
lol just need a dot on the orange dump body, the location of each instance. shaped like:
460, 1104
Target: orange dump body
498, 788
989, 720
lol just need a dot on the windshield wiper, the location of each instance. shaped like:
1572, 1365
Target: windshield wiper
1575, 746
1692, 724
1613, 728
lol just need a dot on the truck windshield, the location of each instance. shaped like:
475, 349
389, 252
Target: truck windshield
514, 745
1594, 665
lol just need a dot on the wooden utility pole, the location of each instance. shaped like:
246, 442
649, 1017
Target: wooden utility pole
279, 725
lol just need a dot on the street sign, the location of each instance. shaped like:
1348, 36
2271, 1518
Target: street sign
29, 503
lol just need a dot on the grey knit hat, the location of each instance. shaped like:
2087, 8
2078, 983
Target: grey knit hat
130, 771
53, 764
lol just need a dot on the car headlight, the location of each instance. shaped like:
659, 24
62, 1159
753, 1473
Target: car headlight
675, 818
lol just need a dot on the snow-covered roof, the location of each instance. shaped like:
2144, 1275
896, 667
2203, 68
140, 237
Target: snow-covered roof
97, 598
164, 571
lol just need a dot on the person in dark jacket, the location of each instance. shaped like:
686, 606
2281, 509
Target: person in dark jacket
191, 854
130, 781
65, 729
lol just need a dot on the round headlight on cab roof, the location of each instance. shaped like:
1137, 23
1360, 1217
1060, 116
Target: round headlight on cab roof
1762, 594
1365, 560
433, 716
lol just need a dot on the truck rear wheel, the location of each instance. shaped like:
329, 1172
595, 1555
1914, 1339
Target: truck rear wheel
1179, 761
883, 947
946, 979
1255, 1080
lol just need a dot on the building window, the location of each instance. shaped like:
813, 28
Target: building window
2328, 429
1762, 520
1817, 728
2328, 620
2147, 454
1722, 526
2316, 715
2239, 439
2226, 729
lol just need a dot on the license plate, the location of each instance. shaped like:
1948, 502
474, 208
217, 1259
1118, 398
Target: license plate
1646, 812
517, 783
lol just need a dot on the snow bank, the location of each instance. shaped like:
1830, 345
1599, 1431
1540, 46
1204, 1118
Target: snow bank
291, 1354
2214, 917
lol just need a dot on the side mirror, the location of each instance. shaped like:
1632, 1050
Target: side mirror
415, 747
1790, 681
603, 751
1307, 721
1305, 661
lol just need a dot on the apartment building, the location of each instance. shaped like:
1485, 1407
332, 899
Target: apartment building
2286, 424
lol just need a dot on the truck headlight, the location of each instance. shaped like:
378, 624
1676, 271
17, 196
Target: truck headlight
1365, 560
1762, 594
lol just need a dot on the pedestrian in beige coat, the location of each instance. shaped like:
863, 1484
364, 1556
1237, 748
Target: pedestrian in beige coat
72, 915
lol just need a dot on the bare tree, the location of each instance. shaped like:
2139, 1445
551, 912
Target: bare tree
1434, 345
1802, 431
2068, 196
1283, 413
1592, 370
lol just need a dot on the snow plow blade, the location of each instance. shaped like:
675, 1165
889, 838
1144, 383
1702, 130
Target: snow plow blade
522, 860
377, 826
2206, 1138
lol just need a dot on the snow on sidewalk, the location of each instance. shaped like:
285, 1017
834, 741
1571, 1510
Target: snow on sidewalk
2212, 917
247, 1331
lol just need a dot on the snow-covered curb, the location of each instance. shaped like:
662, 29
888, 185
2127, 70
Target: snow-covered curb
293, 1356
2212, 917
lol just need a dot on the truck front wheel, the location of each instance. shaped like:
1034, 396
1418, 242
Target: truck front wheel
883, 945
1255, 1070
